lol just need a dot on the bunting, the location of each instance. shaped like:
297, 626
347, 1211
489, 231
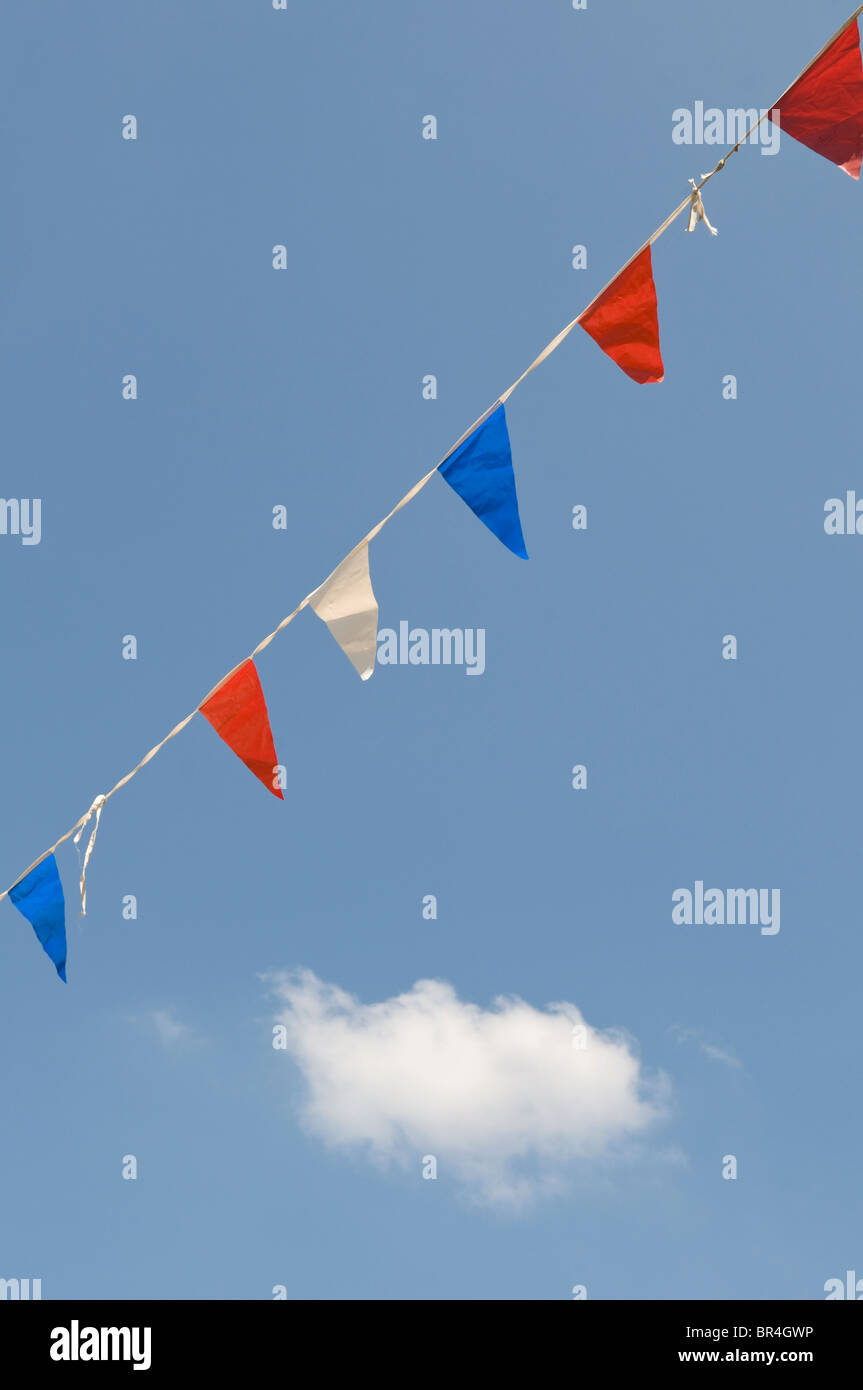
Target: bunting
823, 109
238, 713
480, 471
624, 321
347, 604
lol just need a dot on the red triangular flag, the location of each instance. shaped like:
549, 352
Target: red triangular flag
624, 321
824, 108
238, 713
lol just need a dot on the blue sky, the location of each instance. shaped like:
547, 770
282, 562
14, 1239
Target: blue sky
303, 388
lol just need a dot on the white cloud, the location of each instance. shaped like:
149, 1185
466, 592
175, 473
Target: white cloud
711, 1050
720, 1054
169, 1029
488, 1092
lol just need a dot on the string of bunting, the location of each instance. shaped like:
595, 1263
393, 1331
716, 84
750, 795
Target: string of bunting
823, 109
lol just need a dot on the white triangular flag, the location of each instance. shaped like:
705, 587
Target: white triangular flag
346, 603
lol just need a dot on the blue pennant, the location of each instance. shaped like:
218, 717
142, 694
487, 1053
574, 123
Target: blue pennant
39, 897
480, 471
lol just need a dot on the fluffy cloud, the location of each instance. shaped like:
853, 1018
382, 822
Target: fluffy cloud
501, 1097
169, 1029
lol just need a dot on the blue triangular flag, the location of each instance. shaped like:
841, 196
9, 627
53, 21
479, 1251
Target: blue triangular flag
480, 471
39, 898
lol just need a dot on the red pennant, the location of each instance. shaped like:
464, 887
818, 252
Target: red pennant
824, 108
624, 321
238, 713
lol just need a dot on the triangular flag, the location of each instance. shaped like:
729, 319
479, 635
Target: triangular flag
824, 108
347, 604
624, 321
39, 897
480, 471
238, 713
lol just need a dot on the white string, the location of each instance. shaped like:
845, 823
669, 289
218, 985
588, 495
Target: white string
97, 807
696, 210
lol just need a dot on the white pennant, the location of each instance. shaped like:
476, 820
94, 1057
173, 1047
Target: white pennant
347, 604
